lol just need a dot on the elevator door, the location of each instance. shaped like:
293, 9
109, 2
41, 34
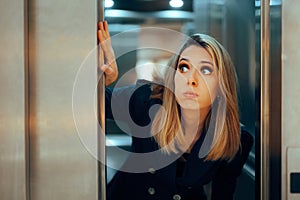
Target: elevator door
12, 100
43, 154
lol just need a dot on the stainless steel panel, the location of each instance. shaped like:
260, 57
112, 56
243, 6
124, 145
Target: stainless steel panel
12, 101
293, 165
62, 35
290, 92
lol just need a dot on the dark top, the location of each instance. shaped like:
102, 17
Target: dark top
182, 179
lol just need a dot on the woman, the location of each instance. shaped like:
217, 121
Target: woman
196, 129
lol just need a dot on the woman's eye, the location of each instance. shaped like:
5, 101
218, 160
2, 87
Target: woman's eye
206, 70
183, 68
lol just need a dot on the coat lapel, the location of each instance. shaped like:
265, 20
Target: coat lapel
197, 170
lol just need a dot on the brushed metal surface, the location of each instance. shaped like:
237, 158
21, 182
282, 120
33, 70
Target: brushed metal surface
290, 93
12, 100
61, 36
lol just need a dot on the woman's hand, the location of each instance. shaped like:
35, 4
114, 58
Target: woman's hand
109, 67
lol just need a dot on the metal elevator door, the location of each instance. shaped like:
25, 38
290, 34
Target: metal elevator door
42, 48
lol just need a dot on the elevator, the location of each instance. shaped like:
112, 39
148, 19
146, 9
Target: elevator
52, 143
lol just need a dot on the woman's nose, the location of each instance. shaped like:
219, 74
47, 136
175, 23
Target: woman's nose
192, 79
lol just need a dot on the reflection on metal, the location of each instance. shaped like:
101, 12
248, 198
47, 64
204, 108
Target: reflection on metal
101, 115
265, 99
13, 64
249, 167
26, 99
61, 36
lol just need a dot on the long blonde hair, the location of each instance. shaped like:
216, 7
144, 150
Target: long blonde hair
166, 127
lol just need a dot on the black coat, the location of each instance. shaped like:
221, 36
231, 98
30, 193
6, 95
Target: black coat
167, 182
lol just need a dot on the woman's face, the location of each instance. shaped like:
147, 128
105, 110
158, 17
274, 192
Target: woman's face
195, 79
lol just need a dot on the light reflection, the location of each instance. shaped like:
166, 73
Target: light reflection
109, 3
176, 3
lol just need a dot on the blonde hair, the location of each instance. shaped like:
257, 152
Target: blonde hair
166, 127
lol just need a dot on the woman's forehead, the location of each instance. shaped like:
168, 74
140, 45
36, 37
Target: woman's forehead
196, 53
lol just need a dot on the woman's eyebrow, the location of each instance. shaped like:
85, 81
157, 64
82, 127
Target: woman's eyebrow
201, 62
185, 59
206, 62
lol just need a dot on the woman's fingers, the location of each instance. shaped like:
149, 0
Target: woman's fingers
104, 37
103, 30
106, 28
110, 68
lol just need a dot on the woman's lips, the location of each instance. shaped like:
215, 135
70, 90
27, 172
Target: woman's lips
190, 94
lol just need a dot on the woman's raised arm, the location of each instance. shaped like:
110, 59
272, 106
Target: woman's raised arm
110, 67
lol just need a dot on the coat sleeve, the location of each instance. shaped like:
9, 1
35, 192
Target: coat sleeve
129, 102
224, 183
117, 102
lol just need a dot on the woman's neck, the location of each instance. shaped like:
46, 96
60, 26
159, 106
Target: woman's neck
192, 124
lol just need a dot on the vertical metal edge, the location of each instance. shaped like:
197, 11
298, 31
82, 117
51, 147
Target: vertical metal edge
101, 114
265, 99
26, 99
275, 137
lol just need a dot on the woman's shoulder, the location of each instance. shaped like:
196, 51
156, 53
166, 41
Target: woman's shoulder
141, 102
141, 82
144, 85
143, 93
